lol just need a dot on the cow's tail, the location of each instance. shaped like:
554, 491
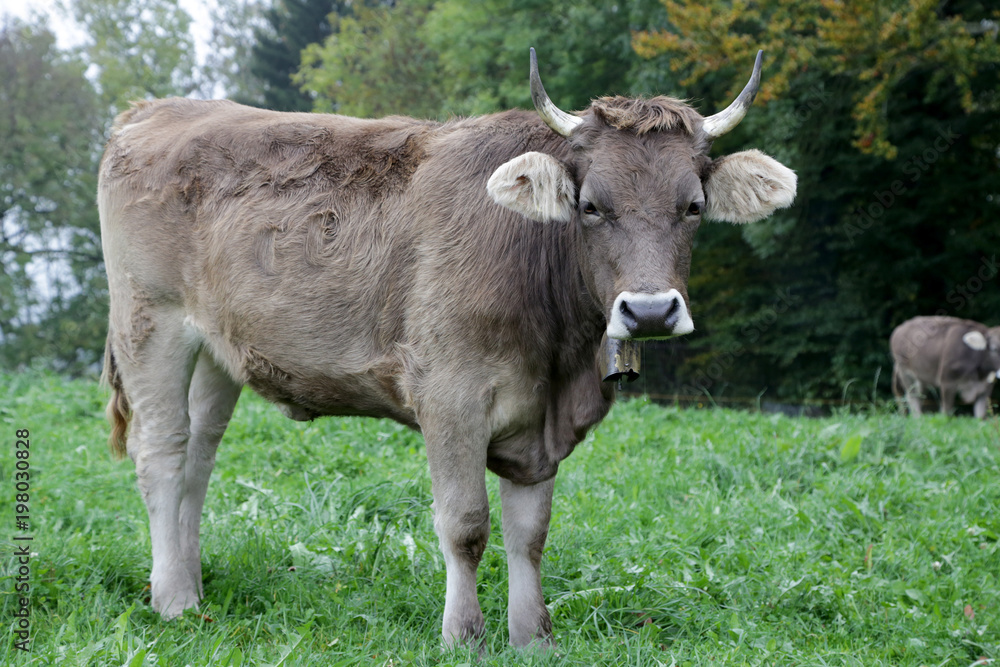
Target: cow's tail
895, 382
118, 412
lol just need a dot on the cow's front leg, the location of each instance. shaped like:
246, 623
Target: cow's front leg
526, 514
947, 400
456, 452
982, 403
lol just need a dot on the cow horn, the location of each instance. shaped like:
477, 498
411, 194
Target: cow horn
554, 117
718, 124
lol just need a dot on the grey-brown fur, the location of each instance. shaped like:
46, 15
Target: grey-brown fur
343, 266
642, 115
930, 351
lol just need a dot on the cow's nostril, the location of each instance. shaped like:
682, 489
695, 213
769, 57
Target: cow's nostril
671, 313
629, 318
672, 308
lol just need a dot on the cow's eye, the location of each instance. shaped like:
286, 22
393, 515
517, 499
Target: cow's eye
695, 208
589, 209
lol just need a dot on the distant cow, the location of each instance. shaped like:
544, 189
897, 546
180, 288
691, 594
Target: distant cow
457, 277
956, 356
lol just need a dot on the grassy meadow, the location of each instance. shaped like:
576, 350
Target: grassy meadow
679, 537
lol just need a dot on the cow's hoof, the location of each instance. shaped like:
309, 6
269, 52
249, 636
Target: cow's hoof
543, 645
170, 606
470, 635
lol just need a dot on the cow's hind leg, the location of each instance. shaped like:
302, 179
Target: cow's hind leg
898, 390
156, 378
211, 400
526, 514
912, 390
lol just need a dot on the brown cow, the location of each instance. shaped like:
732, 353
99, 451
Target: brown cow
956, 356
457, 277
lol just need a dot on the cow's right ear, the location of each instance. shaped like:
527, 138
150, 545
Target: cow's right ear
536, 185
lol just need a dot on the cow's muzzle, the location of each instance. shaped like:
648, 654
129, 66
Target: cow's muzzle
643, 315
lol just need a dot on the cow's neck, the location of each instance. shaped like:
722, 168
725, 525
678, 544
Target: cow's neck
579, 398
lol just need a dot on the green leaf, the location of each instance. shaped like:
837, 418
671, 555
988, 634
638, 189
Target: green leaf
138, 659
916, 595
850, 449
235, 658
121, 625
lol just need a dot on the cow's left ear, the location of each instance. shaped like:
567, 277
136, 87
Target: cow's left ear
747, 187
975, 340
536, 185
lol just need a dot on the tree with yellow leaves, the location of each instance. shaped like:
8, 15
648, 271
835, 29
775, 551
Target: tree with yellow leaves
878, 44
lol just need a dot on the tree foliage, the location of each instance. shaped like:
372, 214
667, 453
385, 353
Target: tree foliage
227, 64
139, 48
290, 26
374, 63
583, 48
877, 45
57, 106
50, 245
455, 57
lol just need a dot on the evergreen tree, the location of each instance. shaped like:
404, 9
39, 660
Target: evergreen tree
291, 25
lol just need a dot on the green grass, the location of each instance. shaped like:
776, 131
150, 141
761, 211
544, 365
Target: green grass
687, 537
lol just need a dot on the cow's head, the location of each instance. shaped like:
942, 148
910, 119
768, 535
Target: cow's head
638, 184
993, 345
988, 345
